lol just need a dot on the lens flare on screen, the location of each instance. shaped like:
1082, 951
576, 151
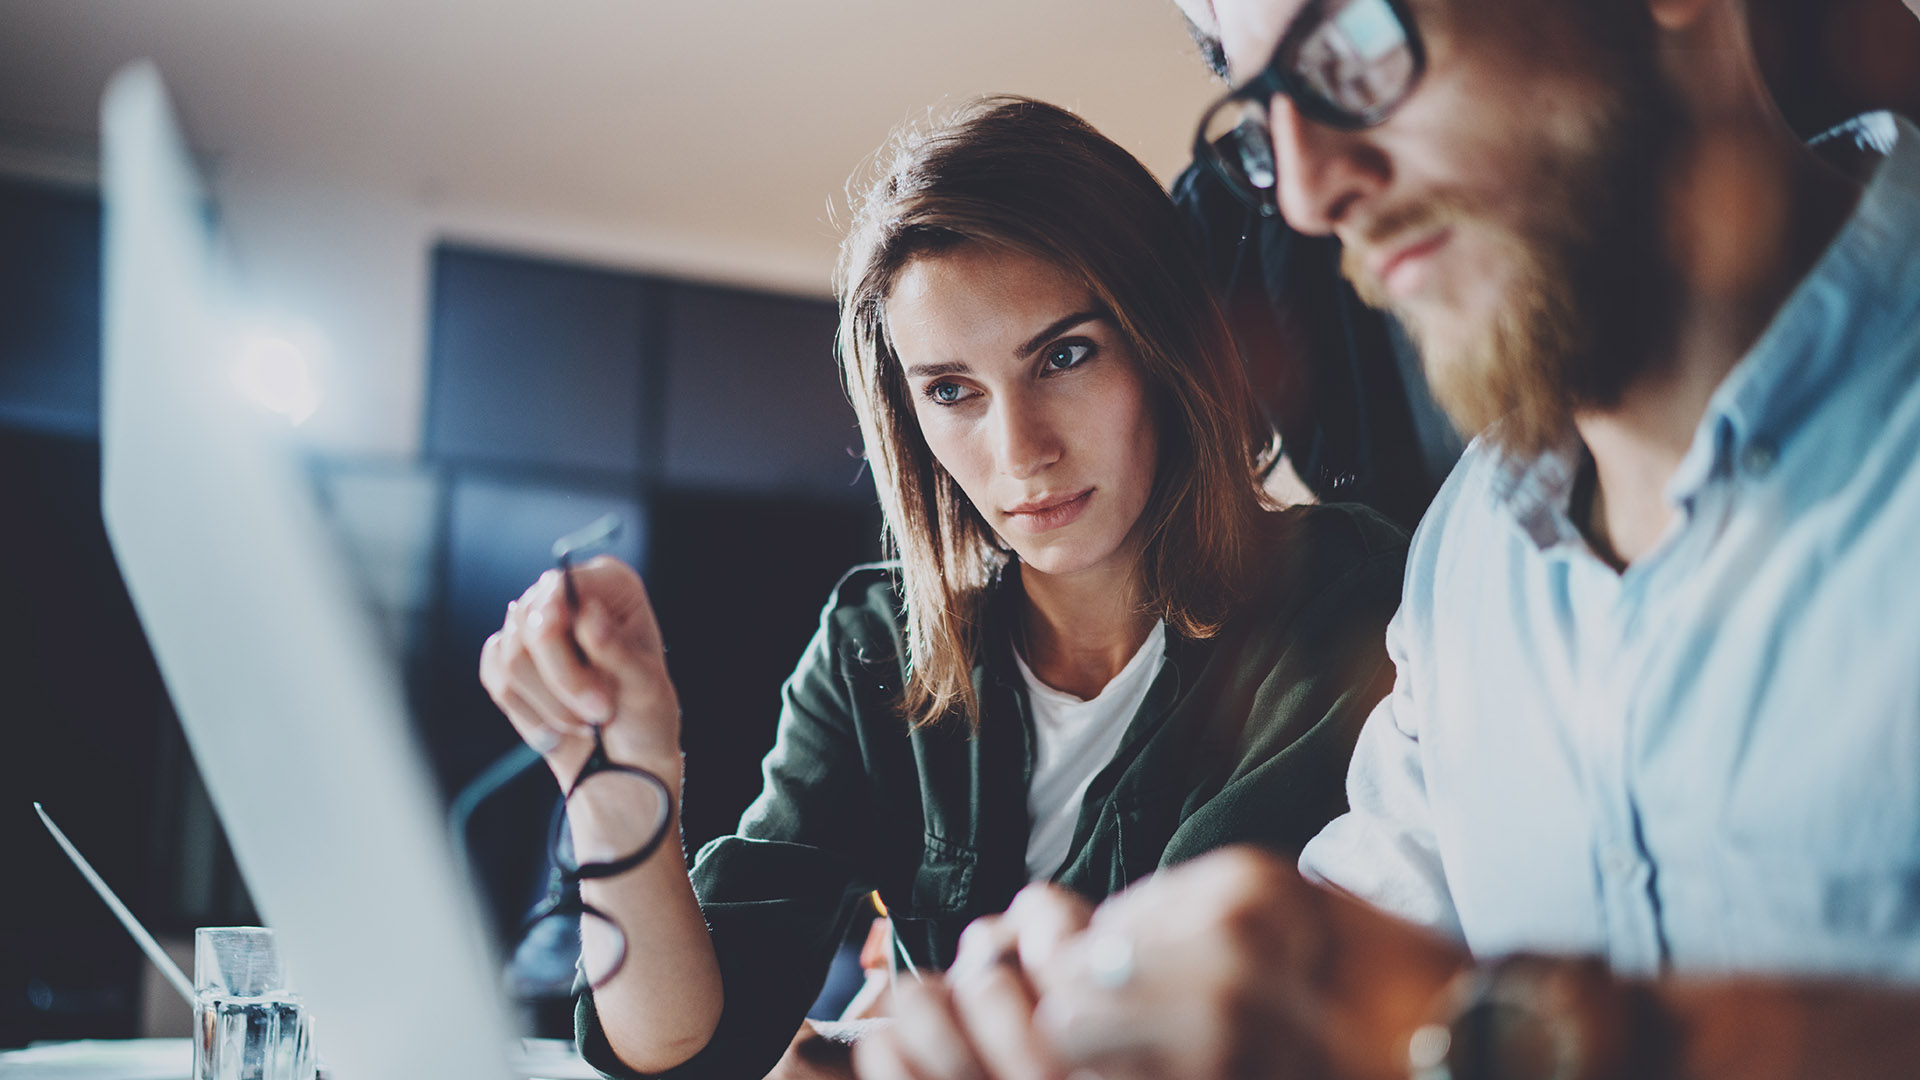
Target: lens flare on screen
275, 373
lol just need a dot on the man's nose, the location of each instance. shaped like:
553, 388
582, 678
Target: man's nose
1321, 173
1027, 440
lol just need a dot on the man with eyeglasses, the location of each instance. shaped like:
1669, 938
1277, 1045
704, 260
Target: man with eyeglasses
1645, 799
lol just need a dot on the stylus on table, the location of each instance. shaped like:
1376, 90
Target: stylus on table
140, 936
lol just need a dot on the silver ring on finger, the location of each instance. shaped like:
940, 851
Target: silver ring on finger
1110, 961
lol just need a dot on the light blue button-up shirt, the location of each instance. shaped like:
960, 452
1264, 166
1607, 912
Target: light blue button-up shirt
1712, 761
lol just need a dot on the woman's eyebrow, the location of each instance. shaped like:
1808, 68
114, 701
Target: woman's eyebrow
934, 371
1056, 327
1030, 346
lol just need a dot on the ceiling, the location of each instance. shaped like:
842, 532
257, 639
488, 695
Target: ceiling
730, 123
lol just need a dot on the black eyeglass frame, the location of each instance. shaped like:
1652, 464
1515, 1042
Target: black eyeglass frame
598, 762
563, 893
1275, 80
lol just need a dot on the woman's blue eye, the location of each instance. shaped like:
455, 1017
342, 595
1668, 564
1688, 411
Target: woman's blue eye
1067, 355
945, 393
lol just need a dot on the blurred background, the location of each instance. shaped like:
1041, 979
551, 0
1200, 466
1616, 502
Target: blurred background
511, 266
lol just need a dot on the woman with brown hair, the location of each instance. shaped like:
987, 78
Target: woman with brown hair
1098, 652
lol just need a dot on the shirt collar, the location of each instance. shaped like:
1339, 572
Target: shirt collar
1538, 490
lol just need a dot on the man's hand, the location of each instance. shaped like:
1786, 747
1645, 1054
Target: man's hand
1236, 966
1231, 966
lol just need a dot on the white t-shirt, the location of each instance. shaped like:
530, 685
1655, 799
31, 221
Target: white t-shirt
1073, 741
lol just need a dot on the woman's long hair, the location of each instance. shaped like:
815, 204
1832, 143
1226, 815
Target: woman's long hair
1024, 176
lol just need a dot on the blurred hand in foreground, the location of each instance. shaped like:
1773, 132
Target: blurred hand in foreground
1231, 966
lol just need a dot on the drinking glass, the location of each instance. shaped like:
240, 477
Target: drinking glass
248, 1023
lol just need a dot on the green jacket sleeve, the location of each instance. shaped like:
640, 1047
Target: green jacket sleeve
777, 893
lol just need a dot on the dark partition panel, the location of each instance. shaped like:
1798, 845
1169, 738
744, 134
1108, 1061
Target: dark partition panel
537, 364
755, 404
738, 582
49, 309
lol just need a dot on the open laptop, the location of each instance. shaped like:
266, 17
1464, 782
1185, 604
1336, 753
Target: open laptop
292, 707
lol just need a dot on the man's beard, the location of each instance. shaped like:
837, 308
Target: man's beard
1589, 296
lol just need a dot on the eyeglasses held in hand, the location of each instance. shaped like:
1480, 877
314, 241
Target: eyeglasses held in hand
1346, 64
624, 812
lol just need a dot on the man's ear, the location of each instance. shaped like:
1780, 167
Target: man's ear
1671, 15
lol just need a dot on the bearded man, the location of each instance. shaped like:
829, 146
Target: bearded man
1645, 799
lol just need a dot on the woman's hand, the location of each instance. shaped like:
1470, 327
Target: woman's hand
533, 672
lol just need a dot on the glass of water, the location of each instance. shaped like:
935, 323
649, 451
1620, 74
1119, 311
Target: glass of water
248, 1023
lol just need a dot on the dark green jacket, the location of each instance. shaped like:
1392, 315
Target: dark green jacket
1242, 738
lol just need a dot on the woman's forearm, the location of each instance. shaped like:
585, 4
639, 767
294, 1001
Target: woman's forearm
660, 1008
